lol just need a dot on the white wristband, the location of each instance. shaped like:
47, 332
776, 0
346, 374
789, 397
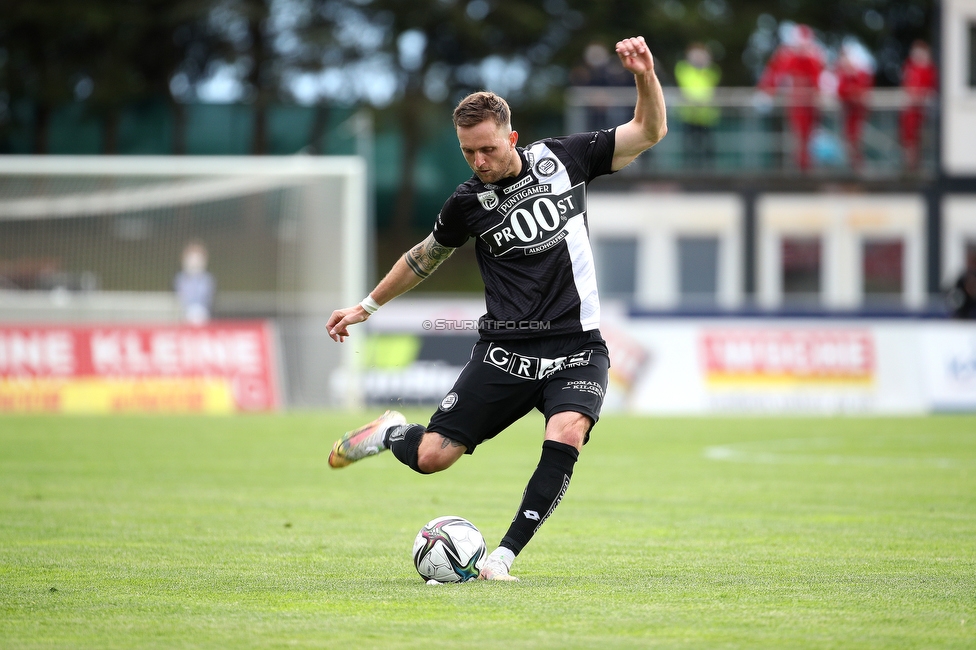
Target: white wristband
369, 304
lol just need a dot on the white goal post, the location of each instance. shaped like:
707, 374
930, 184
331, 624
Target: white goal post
99, 239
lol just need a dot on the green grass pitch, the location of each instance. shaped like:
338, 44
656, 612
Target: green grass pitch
232, 532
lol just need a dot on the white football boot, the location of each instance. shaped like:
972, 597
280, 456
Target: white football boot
365, 441
496, 568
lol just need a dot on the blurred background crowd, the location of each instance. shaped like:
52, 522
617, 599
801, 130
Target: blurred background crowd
283, 76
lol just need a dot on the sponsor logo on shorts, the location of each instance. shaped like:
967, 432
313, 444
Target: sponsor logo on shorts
585, 386
449, 401
525, 367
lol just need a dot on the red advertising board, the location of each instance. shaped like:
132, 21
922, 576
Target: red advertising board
788, 356
217, 368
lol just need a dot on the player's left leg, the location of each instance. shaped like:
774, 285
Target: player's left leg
565, 433
572, 400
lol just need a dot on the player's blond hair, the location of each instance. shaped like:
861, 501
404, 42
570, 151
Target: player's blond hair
481, 106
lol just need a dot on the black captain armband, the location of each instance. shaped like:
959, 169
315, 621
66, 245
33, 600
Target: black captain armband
424, 258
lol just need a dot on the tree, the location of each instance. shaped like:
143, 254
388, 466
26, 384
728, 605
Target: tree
107, 54
41, 41
435, 51
255, 47
177, 44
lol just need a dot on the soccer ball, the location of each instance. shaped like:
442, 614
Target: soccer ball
449, 549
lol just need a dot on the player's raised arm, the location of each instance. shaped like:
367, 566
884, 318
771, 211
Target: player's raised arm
408, 271
650, 122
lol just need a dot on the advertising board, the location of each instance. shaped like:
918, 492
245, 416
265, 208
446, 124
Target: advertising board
217, 368
949, 354
751, 365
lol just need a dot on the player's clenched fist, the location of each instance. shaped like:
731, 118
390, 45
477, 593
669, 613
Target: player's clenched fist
635, 55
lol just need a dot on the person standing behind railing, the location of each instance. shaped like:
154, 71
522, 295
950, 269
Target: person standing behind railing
194, 285
920, 80
854, 83
796, 65
697, 77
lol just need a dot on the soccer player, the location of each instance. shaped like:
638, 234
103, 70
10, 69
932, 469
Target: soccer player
540, 346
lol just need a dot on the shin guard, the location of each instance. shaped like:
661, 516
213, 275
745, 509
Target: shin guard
543, 493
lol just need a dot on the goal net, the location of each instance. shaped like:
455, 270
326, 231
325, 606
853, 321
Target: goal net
101, 240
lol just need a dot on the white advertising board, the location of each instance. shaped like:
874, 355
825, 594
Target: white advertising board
802, 366
949, 353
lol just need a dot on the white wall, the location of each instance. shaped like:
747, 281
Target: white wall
657, 221
842, 222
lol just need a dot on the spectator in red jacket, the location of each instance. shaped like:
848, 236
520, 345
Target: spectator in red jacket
920, 81
854, 83
795, 67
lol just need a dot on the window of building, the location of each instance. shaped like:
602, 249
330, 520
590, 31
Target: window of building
616, 260
801, 269
698, 269
972, 55
883, 268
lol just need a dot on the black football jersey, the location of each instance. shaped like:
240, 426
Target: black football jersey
532, 238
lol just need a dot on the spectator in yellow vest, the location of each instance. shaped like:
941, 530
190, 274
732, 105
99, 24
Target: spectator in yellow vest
697, 77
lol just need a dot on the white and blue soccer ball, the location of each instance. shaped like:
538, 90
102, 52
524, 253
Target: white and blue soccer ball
449, 549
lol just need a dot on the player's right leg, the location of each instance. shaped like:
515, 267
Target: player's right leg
368, 440
437, 452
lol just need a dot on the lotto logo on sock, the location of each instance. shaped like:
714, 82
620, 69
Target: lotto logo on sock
531, 514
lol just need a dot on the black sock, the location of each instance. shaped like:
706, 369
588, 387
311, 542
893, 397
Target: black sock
543, 493
404, 442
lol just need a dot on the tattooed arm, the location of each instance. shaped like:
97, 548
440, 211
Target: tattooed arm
409, 271
425, 257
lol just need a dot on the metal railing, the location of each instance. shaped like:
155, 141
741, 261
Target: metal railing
753, 135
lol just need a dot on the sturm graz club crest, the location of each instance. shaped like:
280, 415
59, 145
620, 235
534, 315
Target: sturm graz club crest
488, 200
546, 166
449, 401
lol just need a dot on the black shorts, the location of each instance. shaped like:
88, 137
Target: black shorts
504, 380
